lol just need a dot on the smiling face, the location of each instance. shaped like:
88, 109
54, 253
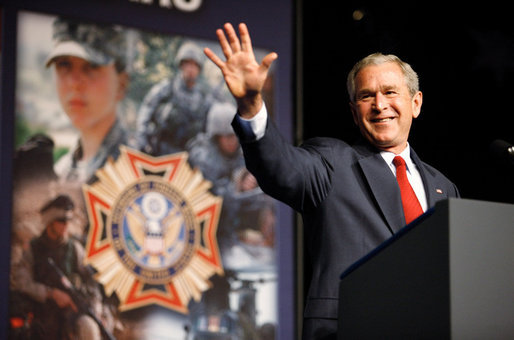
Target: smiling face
383, 108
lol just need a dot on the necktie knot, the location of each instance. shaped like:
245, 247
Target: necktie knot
398, 161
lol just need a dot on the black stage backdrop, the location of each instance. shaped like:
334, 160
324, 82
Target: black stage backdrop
464, 55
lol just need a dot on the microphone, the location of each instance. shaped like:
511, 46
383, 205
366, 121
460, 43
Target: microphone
502, 151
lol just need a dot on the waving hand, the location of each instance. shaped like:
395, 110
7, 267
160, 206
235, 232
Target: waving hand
244, 76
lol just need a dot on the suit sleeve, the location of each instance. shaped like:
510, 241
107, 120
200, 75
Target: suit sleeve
297, 176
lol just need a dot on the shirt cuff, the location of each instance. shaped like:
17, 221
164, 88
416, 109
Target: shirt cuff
254, 128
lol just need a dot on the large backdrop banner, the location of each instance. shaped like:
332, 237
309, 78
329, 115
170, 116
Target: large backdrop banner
133, 214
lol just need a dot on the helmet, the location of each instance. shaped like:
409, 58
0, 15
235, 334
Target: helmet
219, 119
190, 51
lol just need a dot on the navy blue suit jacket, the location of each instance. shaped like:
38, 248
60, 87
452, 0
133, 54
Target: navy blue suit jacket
349, 200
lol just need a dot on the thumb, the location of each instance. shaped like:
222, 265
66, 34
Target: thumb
268, 60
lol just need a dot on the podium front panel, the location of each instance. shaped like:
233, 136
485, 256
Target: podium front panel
449, 276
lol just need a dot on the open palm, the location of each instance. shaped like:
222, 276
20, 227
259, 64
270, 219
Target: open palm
244, 76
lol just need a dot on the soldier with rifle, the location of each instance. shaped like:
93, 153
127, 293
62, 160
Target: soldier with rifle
66, 300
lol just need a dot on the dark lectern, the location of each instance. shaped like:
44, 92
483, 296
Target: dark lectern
448, 275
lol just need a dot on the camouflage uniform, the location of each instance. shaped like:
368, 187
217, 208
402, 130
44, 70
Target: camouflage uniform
70, 168
205, 154
34, 278
171, 113
216, 167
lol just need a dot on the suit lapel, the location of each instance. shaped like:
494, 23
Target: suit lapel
381, 181
427, 177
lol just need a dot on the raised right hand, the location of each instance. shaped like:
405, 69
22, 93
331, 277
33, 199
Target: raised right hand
244, 76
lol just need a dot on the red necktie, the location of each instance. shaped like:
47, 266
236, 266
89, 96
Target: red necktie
411, 206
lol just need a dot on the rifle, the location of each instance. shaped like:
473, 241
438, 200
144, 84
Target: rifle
69, 288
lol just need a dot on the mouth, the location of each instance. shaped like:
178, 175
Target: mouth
382, 120
77, 103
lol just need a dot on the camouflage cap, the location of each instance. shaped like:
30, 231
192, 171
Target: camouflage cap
98, 44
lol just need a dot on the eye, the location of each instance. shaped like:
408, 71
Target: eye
62, 64
89, 68
364, 96
93, 66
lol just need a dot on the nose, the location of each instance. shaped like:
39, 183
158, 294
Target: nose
380, 102
75, 78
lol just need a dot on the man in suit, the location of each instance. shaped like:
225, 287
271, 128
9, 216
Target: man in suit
348, 195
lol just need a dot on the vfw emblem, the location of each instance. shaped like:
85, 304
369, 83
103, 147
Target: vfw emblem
152, 235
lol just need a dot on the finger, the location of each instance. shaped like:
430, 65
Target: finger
225, 46
246, 42
232, 38
213, 57
268, 60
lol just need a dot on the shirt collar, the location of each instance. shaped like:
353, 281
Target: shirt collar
405, 154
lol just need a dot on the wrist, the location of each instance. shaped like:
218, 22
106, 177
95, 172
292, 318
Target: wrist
249, 106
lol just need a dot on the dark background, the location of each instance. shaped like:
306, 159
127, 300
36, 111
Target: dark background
464, 56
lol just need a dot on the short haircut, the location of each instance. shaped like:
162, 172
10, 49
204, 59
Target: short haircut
411, 77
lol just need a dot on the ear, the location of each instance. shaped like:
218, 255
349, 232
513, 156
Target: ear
417, 101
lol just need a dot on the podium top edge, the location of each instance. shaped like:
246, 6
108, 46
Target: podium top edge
387, 242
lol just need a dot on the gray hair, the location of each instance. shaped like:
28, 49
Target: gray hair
411, 77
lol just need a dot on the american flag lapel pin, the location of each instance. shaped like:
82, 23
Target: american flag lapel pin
439, 191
